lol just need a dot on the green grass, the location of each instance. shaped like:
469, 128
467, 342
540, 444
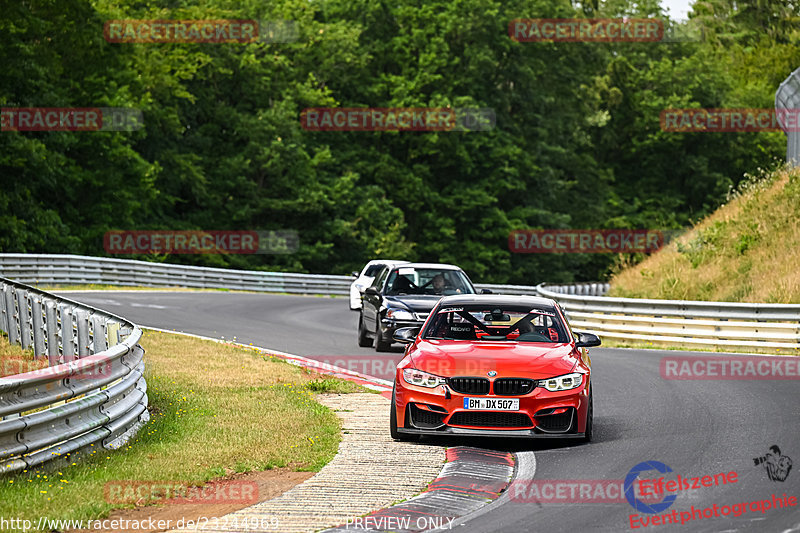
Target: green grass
646, 345
15, 360
746, 251
216, 410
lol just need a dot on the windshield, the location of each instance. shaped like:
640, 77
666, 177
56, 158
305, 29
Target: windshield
435, 281
505, 323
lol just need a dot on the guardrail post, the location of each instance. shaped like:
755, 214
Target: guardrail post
51, 319
13, 317
99, 334
3, 311
24, 319
67, 334
38, 326
112, 333
82, 318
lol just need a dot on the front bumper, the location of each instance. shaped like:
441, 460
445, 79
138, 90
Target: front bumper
541, 413
467, 432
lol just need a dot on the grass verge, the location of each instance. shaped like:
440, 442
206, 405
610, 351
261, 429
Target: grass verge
15, 360
216, 410
746, 251
647, 345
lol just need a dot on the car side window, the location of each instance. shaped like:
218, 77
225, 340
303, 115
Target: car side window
373, 269
380, 278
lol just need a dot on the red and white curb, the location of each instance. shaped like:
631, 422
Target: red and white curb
471, 479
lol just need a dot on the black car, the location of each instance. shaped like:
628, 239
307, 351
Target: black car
402, 296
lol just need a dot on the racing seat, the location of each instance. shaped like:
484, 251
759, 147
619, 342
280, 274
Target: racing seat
402, 284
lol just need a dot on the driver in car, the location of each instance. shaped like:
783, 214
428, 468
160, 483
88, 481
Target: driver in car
438, 284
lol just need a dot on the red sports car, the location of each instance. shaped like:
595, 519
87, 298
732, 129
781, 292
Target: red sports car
493, 365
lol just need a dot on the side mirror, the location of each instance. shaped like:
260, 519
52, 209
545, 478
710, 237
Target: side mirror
585, 340
486, 291
354, 273
371, 290
405, 335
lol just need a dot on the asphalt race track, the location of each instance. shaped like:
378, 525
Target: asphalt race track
698, 427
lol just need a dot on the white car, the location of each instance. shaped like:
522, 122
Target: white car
364, 279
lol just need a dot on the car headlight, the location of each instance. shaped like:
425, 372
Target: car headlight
559, 383
399, 314
412, 376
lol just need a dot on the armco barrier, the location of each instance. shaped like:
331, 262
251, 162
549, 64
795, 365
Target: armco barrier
93, 394
78, 269
675, 322
679, 321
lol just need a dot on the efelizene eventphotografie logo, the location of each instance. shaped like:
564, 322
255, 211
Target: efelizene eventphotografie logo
200, 31
25, 119
775, 463
666, 488
201, 242
401, 119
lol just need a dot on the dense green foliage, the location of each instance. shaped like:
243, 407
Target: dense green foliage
577, 143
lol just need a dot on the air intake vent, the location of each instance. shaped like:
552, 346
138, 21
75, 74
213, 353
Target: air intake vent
513, 386
469, 385
491, 419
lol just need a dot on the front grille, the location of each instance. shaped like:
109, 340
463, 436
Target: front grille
513, 386
554, 423
490, 419
469, 385
424, 419
422, 316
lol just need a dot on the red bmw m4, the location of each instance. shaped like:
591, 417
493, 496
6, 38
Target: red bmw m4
494, 365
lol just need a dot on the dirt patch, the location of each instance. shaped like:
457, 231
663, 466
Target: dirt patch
270, 483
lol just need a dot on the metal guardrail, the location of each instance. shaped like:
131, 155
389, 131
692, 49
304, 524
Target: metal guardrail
93, 394
680, 321
676, 322
78, 269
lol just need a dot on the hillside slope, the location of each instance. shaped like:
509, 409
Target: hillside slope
746, 251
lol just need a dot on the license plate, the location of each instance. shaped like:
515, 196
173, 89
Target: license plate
492, 404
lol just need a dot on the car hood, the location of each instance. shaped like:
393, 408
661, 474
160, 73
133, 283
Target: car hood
508, 359
415, 302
